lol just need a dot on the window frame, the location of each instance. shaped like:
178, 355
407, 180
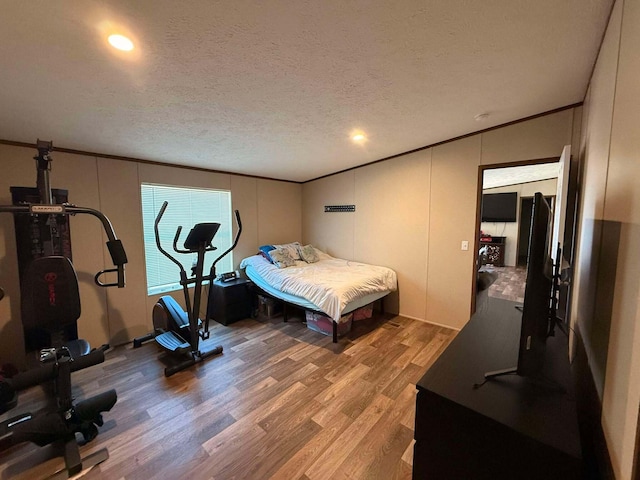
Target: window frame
161, 275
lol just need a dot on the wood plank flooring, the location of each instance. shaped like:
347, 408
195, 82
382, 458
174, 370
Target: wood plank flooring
281, 402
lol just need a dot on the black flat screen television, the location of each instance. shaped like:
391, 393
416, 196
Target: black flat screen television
536, 311
499, 207
537, 320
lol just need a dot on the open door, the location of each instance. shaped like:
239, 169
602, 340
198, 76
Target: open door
562, 194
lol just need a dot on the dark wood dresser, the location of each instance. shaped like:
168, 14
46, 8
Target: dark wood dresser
510, 427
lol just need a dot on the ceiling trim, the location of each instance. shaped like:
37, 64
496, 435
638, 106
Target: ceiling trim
140, 160
202, 169
466, 135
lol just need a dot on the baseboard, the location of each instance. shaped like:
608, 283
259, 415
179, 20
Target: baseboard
430, 323
595, 454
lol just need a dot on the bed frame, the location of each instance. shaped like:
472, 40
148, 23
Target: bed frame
259, 291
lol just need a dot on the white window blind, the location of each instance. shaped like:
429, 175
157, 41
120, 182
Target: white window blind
187, 206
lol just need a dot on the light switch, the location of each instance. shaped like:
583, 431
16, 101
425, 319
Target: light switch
465, 245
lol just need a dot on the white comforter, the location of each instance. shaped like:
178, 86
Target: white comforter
331, 283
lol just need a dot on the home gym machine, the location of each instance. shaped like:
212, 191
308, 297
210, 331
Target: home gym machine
174, 329
50, 301
59, 423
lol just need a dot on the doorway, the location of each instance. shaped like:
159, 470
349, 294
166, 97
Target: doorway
523, 178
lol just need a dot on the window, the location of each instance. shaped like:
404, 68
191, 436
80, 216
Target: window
187, 206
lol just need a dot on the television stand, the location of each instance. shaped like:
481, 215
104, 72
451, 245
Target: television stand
511, 427
499, 373
536, 382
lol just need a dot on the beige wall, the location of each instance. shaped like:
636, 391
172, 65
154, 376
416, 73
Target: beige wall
452, 219
395, 237
270, 210
413, 212
607, 287
330, 232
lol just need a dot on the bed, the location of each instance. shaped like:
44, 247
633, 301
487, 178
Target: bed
317, 282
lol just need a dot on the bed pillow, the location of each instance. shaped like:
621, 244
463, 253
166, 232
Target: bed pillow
292, 248
281, 258
264, 251
308, 254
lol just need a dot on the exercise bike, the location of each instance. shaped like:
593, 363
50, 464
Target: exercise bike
176, 330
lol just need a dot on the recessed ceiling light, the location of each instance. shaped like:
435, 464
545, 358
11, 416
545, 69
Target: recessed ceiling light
121, 42
358, 137
481, 117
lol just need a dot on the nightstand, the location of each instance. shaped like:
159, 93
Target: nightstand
229, 301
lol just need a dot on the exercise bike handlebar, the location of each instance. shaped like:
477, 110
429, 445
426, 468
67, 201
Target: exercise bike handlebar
177, 235
235, 243
116, 250
157, 234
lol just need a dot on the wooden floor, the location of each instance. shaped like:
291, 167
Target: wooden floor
281, 402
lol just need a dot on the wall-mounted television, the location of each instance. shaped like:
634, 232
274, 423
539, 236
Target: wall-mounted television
499, 207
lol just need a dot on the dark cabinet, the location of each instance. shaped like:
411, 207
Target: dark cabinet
492, 252
507, 428
229, 301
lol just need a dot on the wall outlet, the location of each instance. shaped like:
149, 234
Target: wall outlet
464, 245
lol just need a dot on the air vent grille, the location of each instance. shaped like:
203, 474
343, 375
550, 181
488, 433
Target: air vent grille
339, 208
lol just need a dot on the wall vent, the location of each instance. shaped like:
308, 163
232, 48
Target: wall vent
339, 208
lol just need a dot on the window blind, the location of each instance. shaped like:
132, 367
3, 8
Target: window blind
187, 206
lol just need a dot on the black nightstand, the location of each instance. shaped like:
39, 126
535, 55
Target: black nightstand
229, 301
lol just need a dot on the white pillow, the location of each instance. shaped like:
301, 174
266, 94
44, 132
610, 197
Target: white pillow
308, 254
292, 248
281, 258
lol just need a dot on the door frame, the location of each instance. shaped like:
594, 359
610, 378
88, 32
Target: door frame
476, 244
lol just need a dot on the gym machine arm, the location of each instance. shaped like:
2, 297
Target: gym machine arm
116, 250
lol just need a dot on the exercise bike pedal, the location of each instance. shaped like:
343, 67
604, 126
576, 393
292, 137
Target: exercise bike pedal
173, 342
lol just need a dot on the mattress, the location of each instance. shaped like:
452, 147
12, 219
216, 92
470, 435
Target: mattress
331, 285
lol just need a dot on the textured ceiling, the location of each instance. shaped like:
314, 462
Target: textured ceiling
276, 88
